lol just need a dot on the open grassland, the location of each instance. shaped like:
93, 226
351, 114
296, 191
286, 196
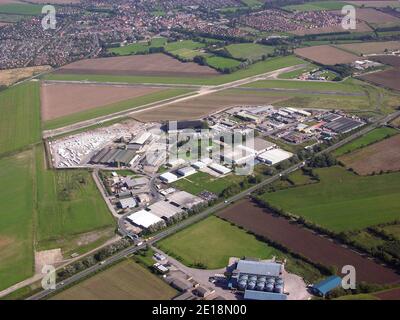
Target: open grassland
317, 6
20, 117
201, 181
11, 76
367, 139
185, 44
296, 73
371, 47
17, 218
343, 201
124, 281
393, 229
211, 242
71, 211
21, 8
255, 69
246, 51
221, 63
114, 107
138, 47
383, 156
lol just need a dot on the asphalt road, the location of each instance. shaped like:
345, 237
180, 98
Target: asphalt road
193, 219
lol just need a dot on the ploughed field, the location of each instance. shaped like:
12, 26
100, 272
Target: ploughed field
326, 54
305, 242
141, 65
60, 99
388, 78
381, 156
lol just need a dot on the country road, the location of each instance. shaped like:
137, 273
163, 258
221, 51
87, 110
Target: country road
193, 219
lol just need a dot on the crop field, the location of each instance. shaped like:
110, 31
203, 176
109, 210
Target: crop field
20, 8
157, 64
222, 62
144, 77
124, 281
343, 201
200, 107
302, 241
140, 101
376, 4
71, 211
376, 17
201, 181
211, 242
20, 117
382, 156
367, 139
388, 78
327, 55
11, 76
393, 61
60, 99
189, 54
17, 218
361, 27
370, 47
245, 51
318, 6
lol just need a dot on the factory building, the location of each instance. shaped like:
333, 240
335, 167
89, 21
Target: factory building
127, 203
184, 199
141, 139
114, 157
259, 280
199, 165
343, 125
274, 156
186, 171
219, 168
168, 177
164, 210
145, 219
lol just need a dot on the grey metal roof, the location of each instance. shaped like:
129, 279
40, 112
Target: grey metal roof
259, 268
262, 295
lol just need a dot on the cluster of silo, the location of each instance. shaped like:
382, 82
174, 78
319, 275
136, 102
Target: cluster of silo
260, 283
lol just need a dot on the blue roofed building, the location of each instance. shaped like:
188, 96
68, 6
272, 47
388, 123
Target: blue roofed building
325, 286
262, 295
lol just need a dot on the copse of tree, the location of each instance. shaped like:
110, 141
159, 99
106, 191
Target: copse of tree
323, 161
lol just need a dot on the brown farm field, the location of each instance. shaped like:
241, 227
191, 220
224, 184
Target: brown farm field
390, 60
387, 78
124, 281
202, 106
361, 27
373, 16
381, 156
60, 99
375, 3
326, 54
11, 76
370, 47
302, 241
139, 65
393, 294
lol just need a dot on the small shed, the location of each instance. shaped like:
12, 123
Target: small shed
325, 286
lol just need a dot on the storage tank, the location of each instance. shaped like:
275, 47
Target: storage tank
278, 288
269, 287
262, 279
253, 278
251, 285
279, 282
260, 286
271, 280
242, 284
243, 277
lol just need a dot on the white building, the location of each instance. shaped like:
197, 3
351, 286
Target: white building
127, 203
199, 165
186, 171
274, 156
168, 177
144, 219
219, 168
141, 139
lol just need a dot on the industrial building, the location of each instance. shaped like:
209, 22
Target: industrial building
164, 209
186, 171
127, 203
219, 168
132, 183
145, 219
198, 165
274, 156
259, 280
114, 157
141, 139
343, 125
325, 286
185, 199
168, 177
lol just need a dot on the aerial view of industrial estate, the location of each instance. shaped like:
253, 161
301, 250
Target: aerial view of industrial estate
202, 150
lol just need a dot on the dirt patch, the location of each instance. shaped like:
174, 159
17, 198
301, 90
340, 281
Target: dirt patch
5, 242
326, 54
388, 78
371, 47
201, 107
391, 60
389, 295
60, 100
381, 156
11, 76
47, 257
305, 242
140, 65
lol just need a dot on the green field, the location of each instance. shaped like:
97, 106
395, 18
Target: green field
253, 70
296, 73
16, 218
222, 62
69, 208
201, 181
125, 281
212, 242
343, 201
318, 6
393, 229
245, 51
139, 47
188, 54
367, 139
21, 8
112, 108
20, 117
184, 44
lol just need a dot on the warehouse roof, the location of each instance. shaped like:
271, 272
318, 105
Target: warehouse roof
144, 218
185, 199
219, 168
128, 203
169, 177
327, 285
142, 138
275, 155
164, 209
259, 268
262, 295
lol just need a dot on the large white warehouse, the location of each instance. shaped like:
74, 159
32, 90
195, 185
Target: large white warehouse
274, 156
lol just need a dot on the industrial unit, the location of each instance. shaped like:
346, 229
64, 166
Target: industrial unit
274, 156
